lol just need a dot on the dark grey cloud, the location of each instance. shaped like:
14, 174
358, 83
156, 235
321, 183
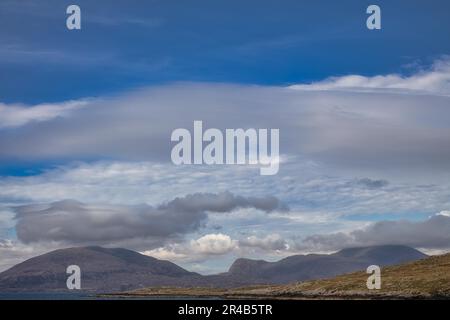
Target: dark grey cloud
433, 233
76, 222
223, 202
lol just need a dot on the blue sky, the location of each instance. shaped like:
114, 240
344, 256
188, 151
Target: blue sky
86, 118
125, 44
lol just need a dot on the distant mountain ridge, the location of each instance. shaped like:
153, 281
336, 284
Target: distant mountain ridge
114, 270
317, 266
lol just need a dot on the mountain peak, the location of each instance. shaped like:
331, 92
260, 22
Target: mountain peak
102, 269
244, 265
384, 254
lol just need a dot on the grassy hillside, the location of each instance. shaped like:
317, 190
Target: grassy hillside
426, 278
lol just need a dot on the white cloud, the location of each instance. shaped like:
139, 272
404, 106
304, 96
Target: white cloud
6, 243
445, 213
170, 253
213, 244
434, 81
19, 115
13, 252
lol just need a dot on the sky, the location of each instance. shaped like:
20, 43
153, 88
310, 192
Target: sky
86, 118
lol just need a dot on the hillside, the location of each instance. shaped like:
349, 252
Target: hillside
424, 279
102, 269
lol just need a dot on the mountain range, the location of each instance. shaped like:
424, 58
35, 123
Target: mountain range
117, 269
427, 278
